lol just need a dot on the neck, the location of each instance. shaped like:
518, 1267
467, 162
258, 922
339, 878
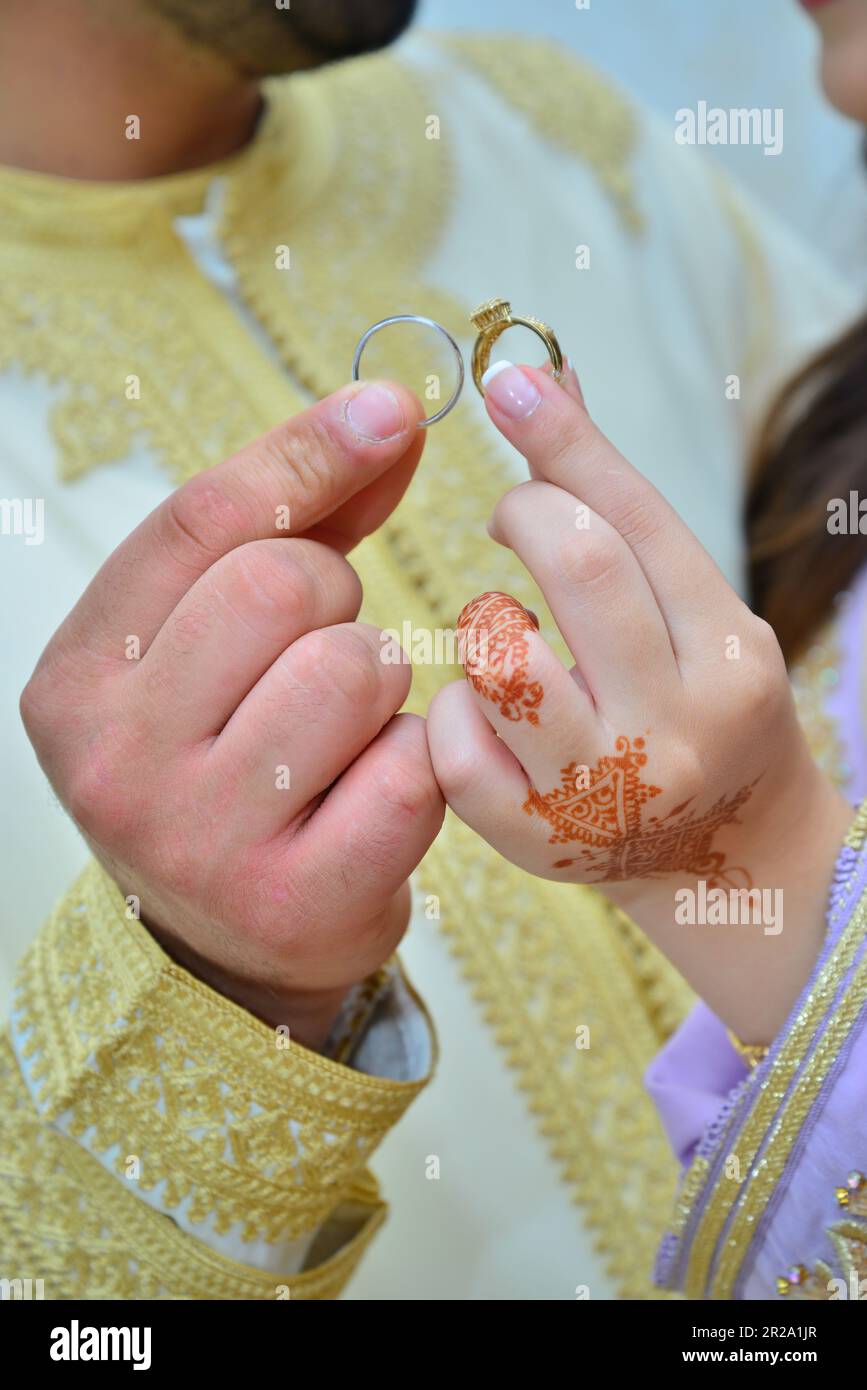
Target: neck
73, 77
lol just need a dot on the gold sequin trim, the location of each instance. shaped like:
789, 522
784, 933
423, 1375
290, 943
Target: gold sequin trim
811, 1036
849, 1239
243, 1126
67, 1221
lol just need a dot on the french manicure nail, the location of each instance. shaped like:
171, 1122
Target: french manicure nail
374, 414
511, 390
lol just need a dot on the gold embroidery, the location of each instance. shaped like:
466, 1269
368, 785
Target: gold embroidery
117, 300
849, 1239
242, 1127
800, 1283
589, 118
693, 1182
67, 1220
751, 1054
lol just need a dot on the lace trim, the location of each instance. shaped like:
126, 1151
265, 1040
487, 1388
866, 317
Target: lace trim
139, 346
244, 1127
67, 1221
588, 118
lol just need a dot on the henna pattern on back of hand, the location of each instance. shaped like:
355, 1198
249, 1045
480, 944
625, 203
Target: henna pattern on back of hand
493, 632
606, 813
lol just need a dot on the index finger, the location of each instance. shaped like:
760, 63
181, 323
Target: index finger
283, 484
560, 442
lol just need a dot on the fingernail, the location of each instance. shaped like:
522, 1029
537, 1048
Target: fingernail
374, 414
511, 390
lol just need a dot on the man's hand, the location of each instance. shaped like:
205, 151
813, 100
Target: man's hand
223, 731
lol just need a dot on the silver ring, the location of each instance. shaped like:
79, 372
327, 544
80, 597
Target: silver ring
429, 323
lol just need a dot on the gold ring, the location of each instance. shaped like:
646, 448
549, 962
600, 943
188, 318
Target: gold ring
493, 318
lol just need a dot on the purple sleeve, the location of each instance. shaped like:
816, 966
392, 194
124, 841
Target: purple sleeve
774, 1197
690, 1079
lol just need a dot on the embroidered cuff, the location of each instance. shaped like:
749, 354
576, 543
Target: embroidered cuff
195, 1105
67, 1220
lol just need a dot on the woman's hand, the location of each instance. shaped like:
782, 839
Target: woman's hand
226, 734
668, 765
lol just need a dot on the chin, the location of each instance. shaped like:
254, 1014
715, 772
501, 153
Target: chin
844, 75
842, 28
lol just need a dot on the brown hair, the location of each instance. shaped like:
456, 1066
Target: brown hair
813, 448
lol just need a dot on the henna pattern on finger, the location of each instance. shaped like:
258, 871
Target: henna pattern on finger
608, 816
495, 653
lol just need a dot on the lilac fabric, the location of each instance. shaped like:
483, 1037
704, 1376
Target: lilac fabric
698, 1078
833, 1143
691, 1077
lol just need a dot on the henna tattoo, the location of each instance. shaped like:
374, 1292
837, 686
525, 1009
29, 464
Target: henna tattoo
495, 653
607, 815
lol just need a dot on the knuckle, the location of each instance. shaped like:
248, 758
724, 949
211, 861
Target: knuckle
270, 579
576, 453
458, 770
764, 681
636, 520
33, 704
687, 771
384, 932
331, 576
582, 436
49, 718
407, 787
183, 632
201, 521
764, 692
511, 506
407, 807
97, 802
589, 560
306, 454
765, 645
114, 791
340, 662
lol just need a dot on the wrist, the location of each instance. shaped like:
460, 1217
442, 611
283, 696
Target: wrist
306, 1016
749, 957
